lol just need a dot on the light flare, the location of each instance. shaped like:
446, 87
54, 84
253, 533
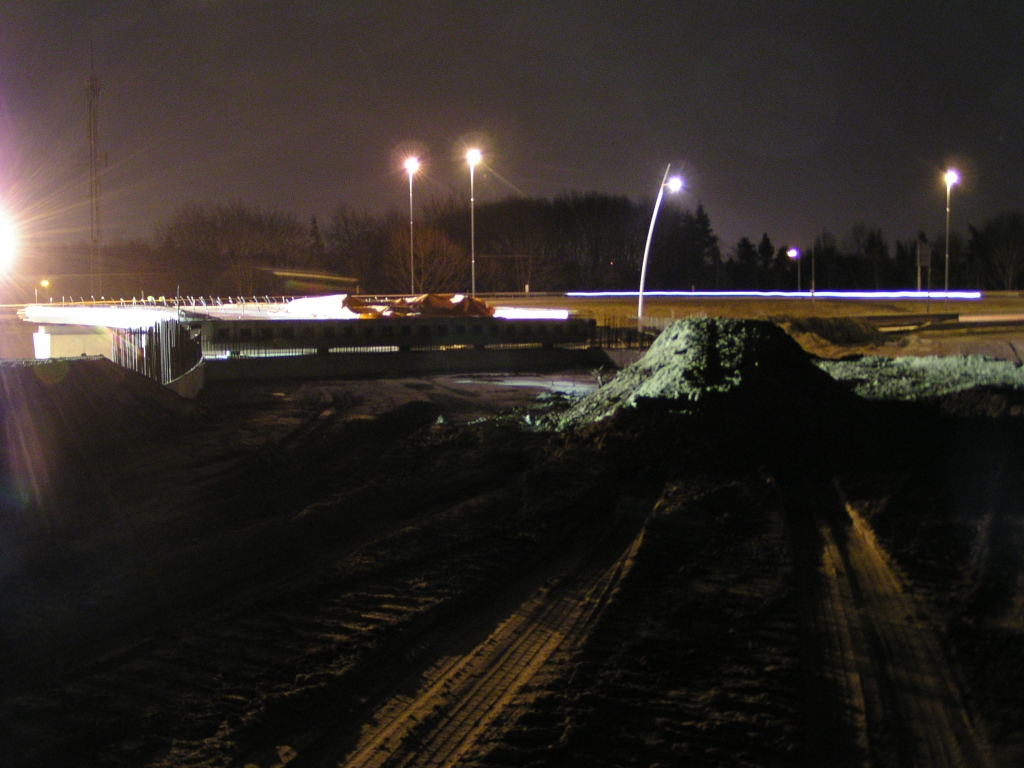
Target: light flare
8, 243
966, 295
101, 316
523, 313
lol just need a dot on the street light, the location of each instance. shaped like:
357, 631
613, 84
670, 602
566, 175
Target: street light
674, 185
951, 177
412, 165
794, 254
473, 157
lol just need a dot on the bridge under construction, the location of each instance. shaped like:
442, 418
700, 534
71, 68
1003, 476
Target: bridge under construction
184, 344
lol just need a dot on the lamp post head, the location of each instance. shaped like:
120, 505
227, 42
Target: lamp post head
473, 157
412, 165
793, 253
951, 177
674, 184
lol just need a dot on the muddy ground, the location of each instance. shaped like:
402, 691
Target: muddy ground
410, 572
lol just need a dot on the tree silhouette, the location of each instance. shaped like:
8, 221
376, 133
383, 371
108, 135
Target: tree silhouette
1000, 245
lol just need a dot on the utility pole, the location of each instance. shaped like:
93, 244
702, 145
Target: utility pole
96, 161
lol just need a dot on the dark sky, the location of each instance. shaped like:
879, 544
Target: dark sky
785, 117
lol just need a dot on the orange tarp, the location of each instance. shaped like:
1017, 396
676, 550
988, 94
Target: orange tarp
427, 305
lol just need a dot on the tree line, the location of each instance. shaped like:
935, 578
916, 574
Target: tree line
575, 241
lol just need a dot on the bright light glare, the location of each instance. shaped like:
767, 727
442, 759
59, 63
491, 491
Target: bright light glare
412, 165
8, 242
107, 317
473, 156
952, 177
793, 253
674, 184
523, 313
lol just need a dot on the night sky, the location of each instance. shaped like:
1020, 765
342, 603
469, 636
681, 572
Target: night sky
785, 117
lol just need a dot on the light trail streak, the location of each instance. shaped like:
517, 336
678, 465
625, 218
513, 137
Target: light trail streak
522, 313
934, 295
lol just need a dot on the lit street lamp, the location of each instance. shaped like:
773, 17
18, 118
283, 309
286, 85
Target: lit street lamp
473, 157
412, 165
951, 177
794, 254
674, 185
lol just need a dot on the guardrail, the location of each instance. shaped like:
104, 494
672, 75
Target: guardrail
162, 352
275, 338
171, 348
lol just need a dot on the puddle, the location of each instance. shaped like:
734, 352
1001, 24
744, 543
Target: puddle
563, 385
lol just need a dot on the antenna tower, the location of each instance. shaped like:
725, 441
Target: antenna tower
96, 161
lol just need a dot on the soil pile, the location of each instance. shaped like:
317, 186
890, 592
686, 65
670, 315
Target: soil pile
729, 384
699, 360
964, 385
55, 414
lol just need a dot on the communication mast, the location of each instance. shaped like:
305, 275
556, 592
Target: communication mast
96, 161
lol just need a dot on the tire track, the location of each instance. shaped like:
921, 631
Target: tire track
835, 704
908, 655
263, 652
463, 695
879, 688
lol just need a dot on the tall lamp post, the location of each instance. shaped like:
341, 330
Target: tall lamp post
412, 165
473, 157
794, 254
674, 185
951, 177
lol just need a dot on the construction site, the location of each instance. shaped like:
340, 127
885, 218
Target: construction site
749, 543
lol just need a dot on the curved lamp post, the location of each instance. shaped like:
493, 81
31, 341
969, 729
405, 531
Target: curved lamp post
473, 157
951, 177
794, 254
674, 185
412, 165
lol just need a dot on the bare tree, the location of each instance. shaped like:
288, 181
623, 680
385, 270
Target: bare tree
442, 266
354, 243
1001, 245
222, 247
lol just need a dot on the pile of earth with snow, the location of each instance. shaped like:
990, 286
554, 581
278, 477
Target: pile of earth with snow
735, 368
711, 385
701, 363
962, 384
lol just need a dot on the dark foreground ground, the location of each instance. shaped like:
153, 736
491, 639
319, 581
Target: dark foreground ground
404, 573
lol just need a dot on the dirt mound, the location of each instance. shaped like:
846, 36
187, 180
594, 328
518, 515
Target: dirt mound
697, 362
722, 391
846, 331
928, 378
55, 413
